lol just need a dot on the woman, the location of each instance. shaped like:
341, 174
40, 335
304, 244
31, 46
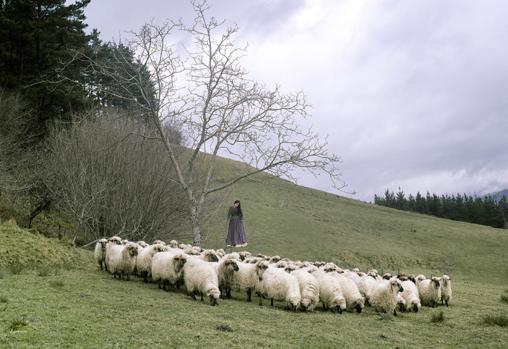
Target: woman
236, 230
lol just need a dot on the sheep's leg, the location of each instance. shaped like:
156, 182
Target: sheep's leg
249, 295
192, 294
228, 292
394, 312
145, 276
260, 301
446, 302
201, 294
271, 302
100, 265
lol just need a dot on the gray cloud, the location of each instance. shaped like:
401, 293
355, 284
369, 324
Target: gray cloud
411, 94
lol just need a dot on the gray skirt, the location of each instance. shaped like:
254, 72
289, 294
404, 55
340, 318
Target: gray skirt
236, 232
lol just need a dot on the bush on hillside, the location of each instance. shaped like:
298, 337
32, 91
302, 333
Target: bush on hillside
113, 177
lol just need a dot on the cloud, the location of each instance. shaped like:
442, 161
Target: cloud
411, 94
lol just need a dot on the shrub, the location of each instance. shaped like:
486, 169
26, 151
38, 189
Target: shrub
437, 317
56, 283
496, 320
17, 324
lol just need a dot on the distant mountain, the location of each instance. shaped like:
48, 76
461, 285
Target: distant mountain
498, 195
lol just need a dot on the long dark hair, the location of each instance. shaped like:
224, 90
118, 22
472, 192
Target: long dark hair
239, 207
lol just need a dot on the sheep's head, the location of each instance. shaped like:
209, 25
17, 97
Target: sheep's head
244, 255
330, 267
290, 268
274, 259
396, 285
338, 305
293, 303
359, 304
210, 256
231, 264
416, 306
159, 242
132, 249
220, 252
213, 294
142, 244
281, 264
261, 267
158, 248
445, 280
435, 281
387, 276
179, 261
173, 244
103, 243
115, 240
355, 270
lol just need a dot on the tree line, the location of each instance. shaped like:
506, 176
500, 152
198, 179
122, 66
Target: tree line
460, 207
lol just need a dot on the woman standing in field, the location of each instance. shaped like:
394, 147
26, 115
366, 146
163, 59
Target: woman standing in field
236, 230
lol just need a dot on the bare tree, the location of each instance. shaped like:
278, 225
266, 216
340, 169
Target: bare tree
204, 88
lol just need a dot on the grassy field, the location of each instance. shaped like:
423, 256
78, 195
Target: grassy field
52, 295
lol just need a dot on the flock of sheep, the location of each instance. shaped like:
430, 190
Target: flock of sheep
301, 285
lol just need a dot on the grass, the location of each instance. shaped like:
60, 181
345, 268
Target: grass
17, 324
65, 306
133, 314
496, 320
4, 299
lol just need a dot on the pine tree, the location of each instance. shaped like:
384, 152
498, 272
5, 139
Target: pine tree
36, 39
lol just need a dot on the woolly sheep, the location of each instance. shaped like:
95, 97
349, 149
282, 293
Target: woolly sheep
366, 286
309, 289
384, 295
209, 256
244, 255
330, 293
429, 290
159, 242
201, 277
410, 295
354, 299
275, 283
226, 268
144, 260
167, 268
142, 244
246, 278
100, 253
121, 260
112, 241
446, 289
173, 244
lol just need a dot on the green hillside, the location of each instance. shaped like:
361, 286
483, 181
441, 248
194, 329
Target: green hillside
301, 223
58, 297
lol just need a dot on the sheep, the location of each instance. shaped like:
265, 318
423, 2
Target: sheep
244, 254
226, 268
252, 260
401, 302
280, 264
233, 255
100, 253
366, 286
429, 290
220, 252
274, 259
446, 289
209, 256
354, 299
121, 259
275, 283
387, 276
410, 295
144, 260
330, 293
201, 277
112, 241
159, 242
309, 289
167, 267
173, 244
384, 295
246, 278
142, 244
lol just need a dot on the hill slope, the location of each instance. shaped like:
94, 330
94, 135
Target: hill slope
301, 223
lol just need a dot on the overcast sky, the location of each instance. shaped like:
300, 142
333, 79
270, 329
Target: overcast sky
412, 94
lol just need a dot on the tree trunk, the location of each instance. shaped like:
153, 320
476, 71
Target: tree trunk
196, 228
